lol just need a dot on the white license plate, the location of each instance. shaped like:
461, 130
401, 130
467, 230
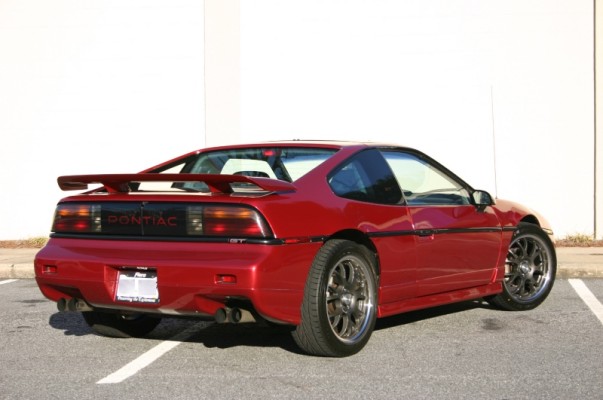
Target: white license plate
137, 286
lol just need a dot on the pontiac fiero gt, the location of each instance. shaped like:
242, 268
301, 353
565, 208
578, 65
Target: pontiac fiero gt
322, 236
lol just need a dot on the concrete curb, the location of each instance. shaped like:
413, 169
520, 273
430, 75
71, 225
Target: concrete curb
17, 271
581, 272
17, 263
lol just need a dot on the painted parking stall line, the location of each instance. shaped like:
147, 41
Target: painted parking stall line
4, 282
146, 359
588, 297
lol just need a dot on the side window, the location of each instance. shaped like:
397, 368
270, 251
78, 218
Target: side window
366, 177
424, 184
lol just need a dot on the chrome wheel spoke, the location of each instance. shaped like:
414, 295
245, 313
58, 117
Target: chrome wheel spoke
335, 320
349, 273
338, 277
535, 253
513, 274
527, 266
348, 298
512, 255
516, 286
358, 314
523, 289
345, 326
523, 247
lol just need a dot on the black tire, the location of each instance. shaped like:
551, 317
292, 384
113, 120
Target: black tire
120, 325
339, 308
530, 270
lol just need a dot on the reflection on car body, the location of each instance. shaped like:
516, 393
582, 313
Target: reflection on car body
323, 236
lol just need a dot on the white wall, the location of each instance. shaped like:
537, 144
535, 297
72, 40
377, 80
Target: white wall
443, 76
91, 87
116, 86
222, 71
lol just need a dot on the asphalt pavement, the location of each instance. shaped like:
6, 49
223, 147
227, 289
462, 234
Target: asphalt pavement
572, 262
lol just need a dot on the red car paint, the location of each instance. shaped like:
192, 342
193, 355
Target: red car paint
427, 254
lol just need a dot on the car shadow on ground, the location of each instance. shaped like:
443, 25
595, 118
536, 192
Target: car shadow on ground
421, 315
207, 333
258, 334
224, 336
71, 323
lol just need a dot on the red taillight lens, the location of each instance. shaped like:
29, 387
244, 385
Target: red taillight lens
233, 221
81, 218
160, 219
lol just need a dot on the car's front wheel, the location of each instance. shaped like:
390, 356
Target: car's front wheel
120, 325
530, 270
340, 301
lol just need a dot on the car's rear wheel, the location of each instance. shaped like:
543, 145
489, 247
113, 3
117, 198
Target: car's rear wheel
340, 300
530, 270
120, 325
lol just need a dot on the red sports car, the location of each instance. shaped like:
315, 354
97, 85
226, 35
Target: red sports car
322, 236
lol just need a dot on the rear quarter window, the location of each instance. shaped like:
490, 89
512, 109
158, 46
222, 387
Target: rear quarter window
366, 177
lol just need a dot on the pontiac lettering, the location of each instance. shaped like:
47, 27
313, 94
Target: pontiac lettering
141, 220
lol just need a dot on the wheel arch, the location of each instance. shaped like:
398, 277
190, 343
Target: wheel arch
362, 239
531, 219
534, 220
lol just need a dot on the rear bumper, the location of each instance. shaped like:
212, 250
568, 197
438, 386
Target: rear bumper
270, 277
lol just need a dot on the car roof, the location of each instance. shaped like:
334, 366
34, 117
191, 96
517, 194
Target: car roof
339, 144
349, 146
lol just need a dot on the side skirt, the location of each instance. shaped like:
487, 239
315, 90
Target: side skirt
386, 310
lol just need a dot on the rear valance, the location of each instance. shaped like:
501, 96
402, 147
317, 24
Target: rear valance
216, 183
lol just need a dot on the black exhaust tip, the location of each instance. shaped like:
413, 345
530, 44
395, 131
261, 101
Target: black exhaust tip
62, 305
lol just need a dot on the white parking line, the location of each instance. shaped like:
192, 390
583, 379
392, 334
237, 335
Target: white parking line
8, 281
149, 357
588, 297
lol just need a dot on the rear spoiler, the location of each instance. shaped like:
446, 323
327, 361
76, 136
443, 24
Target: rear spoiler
119, 183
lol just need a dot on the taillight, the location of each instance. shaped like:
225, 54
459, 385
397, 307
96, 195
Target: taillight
233, 221
77, 218
160, 219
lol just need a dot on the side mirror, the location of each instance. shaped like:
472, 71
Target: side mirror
482, 199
